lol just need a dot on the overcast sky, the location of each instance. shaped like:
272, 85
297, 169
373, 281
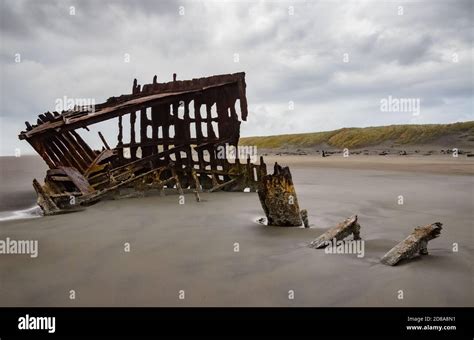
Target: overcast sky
335, 60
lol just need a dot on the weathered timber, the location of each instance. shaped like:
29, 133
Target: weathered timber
339, 232
304, 217
278, 198
415, 243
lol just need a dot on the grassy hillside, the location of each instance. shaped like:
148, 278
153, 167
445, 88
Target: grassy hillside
363, 137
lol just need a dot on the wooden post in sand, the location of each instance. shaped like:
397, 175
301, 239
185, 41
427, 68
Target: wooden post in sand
278, 198
197, 185
304, 217
416, 242
339, 232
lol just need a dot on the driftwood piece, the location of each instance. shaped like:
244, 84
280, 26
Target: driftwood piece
278, 198
415, 243
304, 217
339, 232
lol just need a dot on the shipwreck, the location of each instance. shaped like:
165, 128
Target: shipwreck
178, 132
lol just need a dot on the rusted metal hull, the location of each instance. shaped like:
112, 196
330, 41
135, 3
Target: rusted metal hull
185, 129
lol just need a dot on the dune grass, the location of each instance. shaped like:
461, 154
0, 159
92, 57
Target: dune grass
363, 137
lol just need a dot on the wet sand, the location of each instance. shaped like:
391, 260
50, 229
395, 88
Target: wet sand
433, 164
191, 247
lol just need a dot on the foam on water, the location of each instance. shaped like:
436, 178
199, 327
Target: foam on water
32, 212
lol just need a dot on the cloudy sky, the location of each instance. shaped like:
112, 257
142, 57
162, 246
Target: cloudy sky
334, 60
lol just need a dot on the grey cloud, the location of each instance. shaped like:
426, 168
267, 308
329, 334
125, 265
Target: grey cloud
297, 58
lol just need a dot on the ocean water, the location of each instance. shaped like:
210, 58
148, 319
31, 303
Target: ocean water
17, 196
33, 212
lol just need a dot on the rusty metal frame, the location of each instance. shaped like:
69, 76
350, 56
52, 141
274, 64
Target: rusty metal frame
177, 154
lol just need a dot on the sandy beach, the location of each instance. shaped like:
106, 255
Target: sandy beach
191, 247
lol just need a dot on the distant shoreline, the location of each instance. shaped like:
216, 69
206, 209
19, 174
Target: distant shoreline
442, 136
434, 164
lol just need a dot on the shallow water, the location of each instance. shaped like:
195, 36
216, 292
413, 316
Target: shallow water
33, 212
16, 177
